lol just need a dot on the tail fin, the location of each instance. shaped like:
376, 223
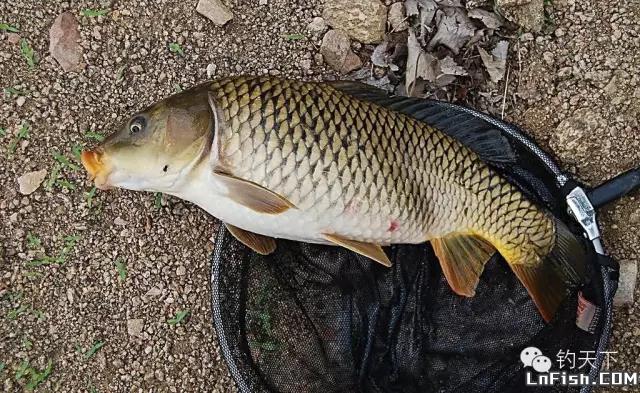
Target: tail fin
562, 269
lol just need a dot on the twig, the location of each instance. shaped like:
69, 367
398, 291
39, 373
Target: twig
506, 88
406, 18
519, 73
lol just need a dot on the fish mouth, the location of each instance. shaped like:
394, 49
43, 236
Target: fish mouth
93, 162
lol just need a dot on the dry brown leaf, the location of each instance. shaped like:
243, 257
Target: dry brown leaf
428, 10
449, 3
454, 29
450, 67
381, 58
383, 83
488, 18
411, 7
448, 71
420, 65
496, 62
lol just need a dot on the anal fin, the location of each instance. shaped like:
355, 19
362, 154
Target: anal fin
462, 258
261, 244
370, 250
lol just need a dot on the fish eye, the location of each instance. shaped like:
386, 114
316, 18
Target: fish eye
137, 125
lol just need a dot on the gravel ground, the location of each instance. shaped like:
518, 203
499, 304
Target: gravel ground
582, 102
138, 260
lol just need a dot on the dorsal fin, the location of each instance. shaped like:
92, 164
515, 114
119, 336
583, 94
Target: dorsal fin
461, 123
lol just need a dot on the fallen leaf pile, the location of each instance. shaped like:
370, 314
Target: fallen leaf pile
440, 48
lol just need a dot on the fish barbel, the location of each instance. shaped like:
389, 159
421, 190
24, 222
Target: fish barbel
341, 163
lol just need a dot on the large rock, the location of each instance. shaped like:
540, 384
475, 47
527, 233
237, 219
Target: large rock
30, 181
526, 13
626, 284
317, 26
336, 49
398, 17
215, 11
135, 326
362, 20
64, 46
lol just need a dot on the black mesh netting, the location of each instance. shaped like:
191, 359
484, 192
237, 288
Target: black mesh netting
312, 318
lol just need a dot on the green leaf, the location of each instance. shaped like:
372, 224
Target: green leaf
8, 27
2, 366
174, 47
10, 92
28, 53
64, 161
44, 261
294, 37
122, 269
64, 183
89, 196
69, 244
92, 351
76, 150
37, 377
23, 369
3, 131
23, 133
71, 239
26, 343
180, 315
93, 13
94, 135
33, 241
13, 314
157, 200
39, 314
53, 176
178, 88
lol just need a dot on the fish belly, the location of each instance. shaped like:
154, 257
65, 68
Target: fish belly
299, 224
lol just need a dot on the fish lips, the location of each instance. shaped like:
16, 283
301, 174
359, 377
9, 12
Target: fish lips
93, 161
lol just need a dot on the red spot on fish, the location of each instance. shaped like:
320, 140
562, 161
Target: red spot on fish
393, 226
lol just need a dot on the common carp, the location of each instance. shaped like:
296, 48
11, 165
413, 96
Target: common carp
342, 163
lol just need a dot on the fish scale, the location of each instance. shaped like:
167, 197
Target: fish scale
301, 139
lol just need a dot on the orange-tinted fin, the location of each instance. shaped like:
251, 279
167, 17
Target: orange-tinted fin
462, 258
370, 250
261, 244
253, 195
544, 286
549, 281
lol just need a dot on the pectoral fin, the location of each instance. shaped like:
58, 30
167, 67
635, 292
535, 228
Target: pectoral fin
373, 251
462, 258
261, 244
253, 195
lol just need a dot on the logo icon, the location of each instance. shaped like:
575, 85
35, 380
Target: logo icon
533, 357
